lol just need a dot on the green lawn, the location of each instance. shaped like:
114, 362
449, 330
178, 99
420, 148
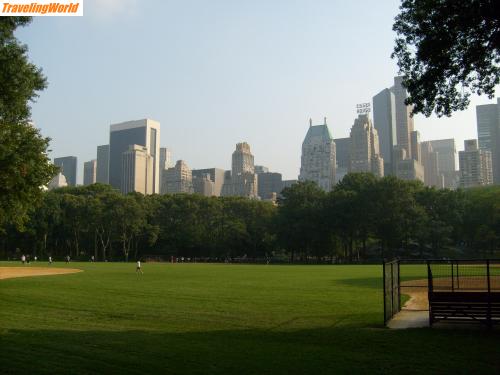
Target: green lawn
222, 319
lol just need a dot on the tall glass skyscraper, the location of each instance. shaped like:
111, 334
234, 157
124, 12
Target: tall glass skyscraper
144, 133
488, 133
384, 120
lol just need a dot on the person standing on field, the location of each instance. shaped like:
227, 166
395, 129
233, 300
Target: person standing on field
50, 260
138, 268
23, 258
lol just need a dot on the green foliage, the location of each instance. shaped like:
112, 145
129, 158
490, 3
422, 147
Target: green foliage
446, 50
24, 164
363, 219
222, 319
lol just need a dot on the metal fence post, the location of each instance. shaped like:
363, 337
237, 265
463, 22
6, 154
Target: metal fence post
399, 285
452, 277
429, 290
383, 280
488, 315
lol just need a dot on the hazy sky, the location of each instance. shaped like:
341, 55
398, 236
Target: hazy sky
215, 73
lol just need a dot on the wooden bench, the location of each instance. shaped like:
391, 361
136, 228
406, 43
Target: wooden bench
483, 307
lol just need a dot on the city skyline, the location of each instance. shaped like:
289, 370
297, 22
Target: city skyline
258, 84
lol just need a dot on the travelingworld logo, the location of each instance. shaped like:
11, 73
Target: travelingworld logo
41, 8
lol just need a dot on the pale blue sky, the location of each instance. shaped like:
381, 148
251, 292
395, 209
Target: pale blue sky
215, 73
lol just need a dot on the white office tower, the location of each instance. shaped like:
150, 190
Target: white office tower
137, 169
364, 148
145, 133
318, 157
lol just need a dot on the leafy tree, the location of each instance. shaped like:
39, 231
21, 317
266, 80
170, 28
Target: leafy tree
299, 218
446, 50
24, 164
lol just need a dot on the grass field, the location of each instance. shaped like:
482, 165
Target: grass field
222, 319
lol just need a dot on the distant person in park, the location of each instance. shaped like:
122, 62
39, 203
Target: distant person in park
28, 259
92, 258
23, 258
50, 260
35, 258
67, 258
138, 268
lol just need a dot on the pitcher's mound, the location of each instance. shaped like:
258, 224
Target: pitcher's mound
10, 272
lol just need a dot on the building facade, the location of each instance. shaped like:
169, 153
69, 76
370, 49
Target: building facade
342, 157
407, 168
58, 181
384, 120
242, 180
488, 131
447, 160
68, 167
137, 167
102, 169
203, 185
318, 160
145, 133
216, 175
404, 120
364, 150
165, 163
90, 172
430, 162
270, 185
475, 165
178, 179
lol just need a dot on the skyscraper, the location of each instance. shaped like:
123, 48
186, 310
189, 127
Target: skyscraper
261, 169
137, 167
269, 183
318, 156
342, 156
365, 156
89, 172
68, 167
488, 131
178, 179
102, 170
475, 165
384, 120
216, 175
242, 181
404, 121
145, 133
203, 185
415, 146
407, 168
430, 162
446, 160
165, 163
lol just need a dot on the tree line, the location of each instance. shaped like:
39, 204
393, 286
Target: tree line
363, 219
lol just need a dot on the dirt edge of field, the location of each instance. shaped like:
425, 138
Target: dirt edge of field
28, 271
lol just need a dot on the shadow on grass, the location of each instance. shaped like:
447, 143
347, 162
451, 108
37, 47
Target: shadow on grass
369, 282
311, 351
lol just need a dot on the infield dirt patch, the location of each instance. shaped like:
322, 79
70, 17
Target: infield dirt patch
12, 272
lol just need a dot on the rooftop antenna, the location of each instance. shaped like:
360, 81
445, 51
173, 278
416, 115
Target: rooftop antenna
310, 122
324, 119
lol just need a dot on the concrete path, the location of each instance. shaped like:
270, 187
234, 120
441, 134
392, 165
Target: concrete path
409, 319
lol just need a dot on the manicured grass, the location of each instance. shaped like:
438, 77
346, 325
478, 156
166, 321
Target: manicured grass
222, 319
